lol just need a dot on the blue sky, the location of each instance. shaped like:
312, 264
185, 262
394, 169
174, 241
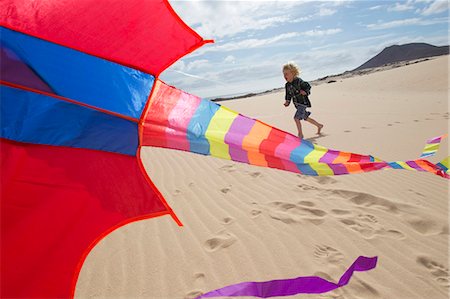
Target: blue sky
253, 39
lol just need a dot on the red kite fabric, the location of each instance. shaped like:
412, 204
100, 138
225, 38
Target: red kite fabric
75, 78
58, 202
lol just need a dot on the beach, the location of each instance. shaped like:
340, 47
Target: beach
248, 223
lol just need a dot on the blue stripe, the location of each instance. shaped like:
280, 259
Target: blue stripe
82, 77
395, 165
299, 153
442, 166
199, 124
36, 118
306, 169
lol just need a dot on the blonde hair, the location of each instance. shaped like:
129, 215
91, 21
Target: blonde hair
291, 66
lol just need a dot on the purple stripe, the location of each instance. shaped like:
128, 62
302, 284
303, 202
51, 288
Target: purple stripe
434, 140
414, 165
338, 168
240, 128
329, 156
288, 287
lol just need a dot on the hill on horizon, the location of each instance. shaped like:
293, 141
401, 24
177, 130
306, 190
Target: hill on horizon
397, 53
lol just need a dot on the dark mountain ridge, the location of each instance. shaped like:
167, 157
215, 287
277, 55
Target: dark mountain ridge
397, 53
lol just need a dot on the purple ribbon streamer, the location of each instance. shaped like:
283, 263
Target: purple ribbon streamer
293, 286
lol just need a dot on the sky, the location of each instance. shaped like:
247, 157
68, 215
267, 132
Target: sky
253, 39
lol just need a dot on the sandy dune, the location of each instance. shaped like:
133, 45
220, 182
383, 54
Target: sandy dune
247, 223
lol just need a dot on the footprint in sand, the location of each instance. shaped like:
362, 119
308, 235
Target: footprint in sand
228, 168
255, 174
347, 131
389, 125
306, 203
293, 213
327, 254
339, 212
225, 190
193, 294
367, 225
227, 220
438, 271
363, 289
424, 225
368, 200
416, 120
323, 180
305, 187
255, 213
221, 240
359, 287
199, 283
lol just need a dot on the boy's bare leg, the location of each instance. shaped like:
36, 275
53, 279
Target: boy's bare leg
314, 122
299, 128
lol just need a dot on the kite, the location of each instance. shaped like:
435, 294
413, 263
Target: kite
80, 96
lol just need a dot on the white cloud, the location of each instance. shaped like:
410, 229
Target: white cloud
375, 7
247, 43
392, 24
230, 59
401, 6
196, 64
219, 19
436, 7
326, 12
322, 32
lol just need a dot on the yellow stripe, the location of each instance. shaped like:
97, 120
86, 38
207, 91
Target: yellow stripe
315, 155
445, 162
322, 169
431, 147
405, 166
217, 129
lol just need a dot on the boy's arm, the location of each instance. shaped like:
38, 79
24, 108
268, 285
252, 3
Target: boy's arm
306, 87
287, 97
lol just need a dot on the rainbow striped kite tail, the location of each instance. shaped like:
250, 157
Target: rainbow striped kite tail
432, 146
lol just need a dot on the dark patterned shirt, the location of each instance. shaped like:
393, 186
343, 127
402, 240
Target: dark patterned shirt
293, 92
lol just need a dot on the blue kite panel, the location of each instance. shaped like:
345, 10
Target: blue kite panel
198, 125
35, 118
79, 76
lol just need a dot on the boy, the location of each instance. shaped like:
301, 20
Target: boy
298, 91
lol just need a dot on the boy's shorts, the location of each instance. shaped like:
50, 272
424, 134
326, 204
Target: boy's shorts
301, 112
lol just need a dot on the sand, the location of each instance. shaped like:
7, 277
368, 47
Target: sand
248, 223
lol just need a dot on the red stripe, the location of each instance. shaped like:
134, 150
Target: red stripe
156, 120
56, 202
355, 158
269, 145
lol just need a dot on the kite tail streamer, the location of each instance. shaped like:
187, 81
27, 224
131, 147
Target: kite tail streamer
432, 146
288, 287
175, 119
